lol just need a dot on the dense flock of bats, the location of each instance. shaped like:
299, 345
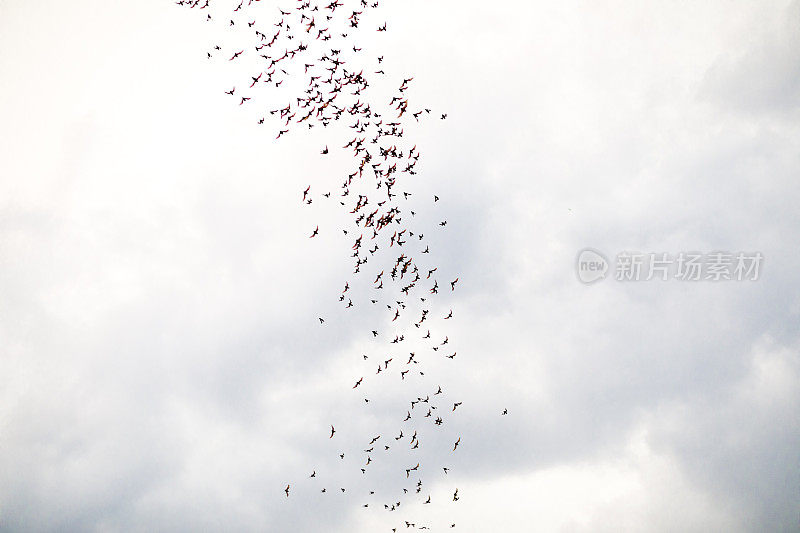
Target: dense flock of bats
306, 57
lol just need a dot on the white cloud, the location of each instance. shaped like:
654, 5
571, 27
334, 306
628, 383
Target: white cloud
161, 363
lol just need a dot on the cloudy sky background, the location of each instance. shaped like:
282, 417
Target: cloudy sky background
161, 367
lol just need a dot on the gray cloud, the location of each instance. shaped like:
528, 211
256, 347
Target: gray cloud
162, 364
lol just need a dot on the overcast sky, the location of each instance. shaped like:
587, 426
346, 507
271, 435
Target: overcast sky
161, 363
